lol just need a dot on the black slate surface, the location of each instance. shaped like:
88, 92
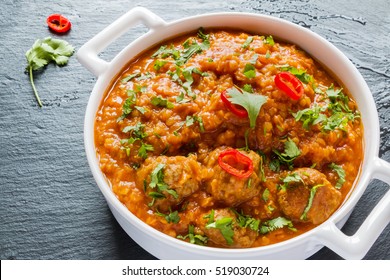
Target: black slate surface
50, 207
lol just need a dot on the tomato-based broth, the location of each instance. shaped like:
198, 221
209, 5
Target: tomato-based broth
228, 139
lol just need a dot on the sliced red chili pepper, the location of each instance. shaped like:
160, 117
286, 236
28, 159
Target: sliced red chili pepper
238, 110
235, 163
289, 84
58, 23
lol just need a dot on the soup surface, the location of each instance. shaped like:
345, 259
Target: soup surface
228, 139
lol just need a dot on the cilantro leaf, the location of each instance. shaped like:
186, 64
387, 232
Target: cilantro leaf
291, 152
172, 217
194, 238
299, 73
43, 52
313, 191
157, 181
130, 77
247, 42
161, 102
310, 116
251, 102
246, 221
340, 172
224, 225
291, 178
275, 224
269, 40
249, 71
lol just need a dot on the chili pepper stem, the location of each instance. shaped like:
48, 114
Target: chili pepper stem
33, 86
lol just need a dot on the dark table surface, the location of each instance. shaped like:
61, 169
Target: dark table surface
50, 206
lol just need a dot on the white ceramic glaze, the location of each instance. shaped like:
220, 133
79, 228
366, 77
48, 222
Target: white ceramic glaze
327, 234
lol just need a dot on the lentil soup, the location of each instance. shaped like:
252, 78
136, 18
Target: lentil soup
228, 139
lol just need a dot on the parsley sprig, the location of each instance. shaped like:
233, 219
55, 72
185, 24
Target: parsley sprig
42, 53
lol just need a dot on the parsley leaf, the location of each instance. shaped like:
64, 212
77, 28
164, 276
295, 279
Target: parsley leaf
42, 52
251, 102
340, 172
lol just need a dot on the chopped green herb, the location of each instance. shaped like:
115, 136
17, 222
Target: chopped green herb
291, 152
248, 88
224, 225
275, 224
246, 221
269, 40
137, 130
130, 77
340, 172
161, 102
268, 54
299, 73
247, 42
157, 181
249, 71
274, 165
172, 217
313, 191
265, 195
165, 52
205, 39
251, 102
158, 64
194, 238
144, 149
190, 50
180, 98
310, 116
142, 110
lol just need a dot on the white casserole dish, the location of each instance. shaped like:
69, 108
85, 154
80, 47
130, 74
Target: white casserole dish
327, 234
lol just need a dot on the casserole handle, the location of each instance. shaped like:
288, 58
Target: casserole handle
357, 245
88, 53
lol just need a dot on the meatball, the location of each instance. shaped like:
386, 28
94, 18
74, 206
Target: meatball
230, 234
226, 188
168, 180
307, 196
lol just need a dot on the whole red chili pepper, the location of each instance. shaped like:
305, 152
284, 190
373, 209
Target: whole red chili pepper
289, 84
58, 23
238, 110
235, 163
